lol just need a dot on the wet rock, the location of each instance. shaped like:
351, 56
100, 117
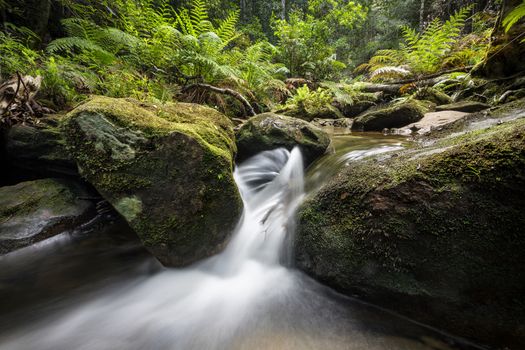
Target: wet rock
35, 210
393, 116
38, 149
435, 233
432, 121
166, 169
464, 106
269, 131
344, 123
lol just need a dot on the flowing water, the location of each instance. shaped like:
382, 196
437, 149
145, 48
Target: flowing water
101, 291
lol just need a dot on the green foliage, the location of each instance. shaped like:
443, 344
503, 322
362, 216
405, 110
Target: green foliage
15, 52
306, 102
514, 17
307, 40
439, 46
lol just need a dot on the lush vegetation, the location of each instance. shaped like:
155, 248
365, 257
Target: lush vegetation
245, 54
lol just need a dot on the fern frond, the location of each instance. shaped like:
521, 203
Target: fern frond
389, 72
226, 30
514, 16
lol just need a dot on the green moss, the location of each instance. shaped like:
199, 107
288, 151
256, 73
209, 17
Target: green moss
129, 207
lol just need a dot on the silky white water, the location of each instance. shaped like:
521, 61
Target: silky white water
244, 298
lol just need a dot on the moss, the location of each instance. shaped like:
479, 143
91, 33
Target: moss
206, 125
129, 207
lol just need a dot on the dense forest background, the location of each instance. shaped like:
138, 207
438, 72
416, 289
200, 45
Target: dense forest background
242, 57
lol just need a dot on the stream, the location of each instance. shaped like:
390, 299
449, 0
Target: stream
101, 290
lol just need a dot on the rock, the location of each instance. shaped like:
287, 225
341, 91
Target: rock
353, 110
464, 106
433, 95
435, 234
269, 131
166, 169
393, 116
35, 210
432, 121
38, 149
344, 123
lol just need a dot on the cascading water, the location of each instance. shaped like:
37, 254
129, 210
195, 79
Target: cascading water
243, 298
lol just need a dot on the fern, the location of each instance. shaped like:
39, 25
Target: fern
514, 17
421, 52
389, 72
226, 30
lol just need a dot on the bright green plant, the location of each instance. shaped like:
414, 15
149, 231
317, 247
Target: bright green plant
15, 53
514, 17
307, 40
421, 53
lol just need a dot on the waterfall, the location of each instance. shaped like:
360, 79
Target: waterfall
247, 297
216, 296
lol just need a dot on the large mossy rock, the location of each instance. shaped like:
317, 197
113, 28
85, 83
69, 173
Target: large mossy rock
436, 234
396, 115
35, 210
269, 131
167, 169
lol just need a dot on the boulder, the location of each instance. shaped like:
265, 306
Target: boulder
38, 149
464, 106
434, 233
393, 116
269, 131
167, 169
35, 210
433, 95
435, 121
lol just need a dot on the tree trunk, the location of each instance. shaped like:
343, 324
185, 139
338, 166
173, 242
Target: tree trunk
422, 16
505, 55
283, 4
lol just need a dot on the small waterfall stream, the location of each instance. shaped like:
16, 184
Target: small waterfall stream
244, 298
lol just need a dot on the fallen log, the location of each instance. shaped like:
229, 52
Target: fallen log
224, 91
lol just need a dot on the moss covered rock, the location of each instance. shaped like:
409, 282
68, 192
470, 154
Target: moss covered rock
35, 210
269, 131
167, 169
434, 233
393, 116
433, 95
